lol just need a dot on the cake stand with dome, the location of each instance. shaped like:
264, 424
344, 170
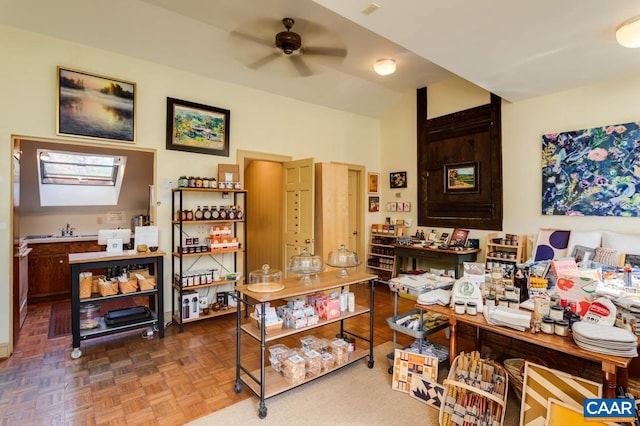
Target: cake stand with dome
342, 259
305, 264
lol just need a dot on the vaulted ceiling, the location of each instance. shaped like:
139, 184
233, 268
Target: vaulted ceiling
515, 49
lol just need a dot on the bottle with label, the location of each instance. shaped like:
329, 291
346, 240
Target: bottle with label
223, 213
189, 215
232, 213
239, 214
206, 213
215, 213
198, 214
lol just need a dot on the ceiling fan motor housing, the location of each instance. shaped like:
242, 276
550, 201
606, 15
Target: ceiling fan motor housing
288, 41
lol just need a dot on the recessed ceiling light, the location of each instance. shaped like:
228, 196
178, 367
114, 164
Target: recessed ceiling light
385, 66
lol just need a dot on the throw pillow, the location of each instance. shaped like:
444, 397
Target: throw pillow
608, 256
585, 239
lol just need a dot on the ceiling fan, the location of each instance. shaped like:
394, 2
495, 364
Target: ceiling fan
289, 45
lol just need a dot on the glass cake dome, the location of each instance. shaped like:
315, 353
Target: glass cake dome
305, 264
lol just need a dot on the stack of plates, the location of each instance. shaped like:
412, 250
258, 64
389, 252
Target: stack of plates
605, 339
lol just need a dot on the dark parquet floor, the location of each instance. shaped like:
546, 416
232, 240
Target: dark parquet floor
126, 379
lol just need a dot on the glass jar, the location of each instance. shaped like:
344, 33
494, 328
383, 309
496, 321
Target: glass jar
205, 182
191, 182
206, 213
198, 182
556, 313
223, 212
460, 307
198, 214
189, 214
472, 308
215, 214
89, 314
183, 182
561, 328
547, 326
213, 183
239, 214
490, 300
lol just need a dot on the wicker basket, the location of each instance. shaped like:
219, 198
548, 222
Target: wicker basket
86, 280
128, 286
146, 283
515, 370
107, 288
95, 282
144, 272
459, 386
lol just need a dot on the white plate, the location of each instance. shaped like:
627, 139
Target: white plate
603, 333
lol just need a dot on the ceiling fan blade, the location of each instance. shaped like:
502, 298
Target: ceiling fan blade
263, 61
302, 68
325, 51
252, 38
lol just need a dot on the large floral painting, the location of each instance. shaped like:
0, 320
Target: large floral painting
592, 172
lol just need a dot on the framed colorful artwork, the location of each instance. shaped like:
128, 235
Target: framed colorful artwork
374, 204
197, 128
95, 106
591, 172
462, 177
398, 180
542, 383
408, 366
373, 183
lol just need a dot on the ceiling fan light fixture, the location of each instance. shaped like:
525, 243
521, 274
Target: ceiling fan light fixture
628, 34
385, 66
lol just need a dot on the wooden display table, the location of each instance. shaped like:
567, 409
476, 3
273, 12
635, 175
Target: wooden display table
610, 364
434, 257
101, 259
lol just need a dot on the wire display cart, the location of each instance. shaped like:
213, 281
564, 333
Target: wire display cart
413, 323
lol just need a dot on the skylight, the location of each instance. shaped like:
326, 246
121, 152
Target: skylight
79, 179
71, 168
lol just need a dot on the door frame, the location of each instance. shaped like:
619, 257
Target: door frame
360, 209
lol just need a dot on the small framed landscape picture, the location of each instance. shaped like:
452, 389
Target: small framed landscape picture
461, 177
95, 106
198, 128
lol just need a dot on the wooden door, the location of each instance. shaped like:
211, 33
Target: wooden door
332, 207
298, 227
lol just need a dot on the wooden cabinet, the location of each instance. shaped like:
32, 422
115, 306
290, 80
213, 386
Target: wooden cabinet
505, 250
49, 277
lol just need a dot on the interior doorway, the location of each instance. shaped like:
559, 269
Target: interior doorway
262, 174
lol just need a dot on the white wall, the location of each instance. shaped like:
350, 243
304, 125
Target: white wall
523, 124
260, 122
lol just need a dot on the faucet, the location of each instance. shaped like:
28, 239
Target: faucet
68, 231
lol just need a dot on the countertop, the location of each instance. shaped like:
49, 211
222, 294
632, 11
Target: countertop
39, 239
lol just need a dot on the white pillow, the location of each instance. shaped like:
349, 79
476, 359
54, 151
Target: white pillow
623, 243
591, 239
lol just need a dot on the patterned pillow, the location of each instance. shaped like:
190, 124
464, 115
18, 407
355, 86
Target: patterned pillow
608, 256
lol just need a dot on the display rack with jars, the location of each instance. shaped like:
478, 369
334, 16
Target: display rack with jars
209, 250
504, 251
381, 256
